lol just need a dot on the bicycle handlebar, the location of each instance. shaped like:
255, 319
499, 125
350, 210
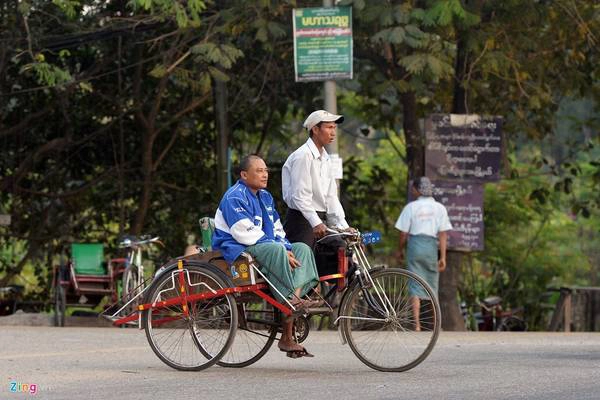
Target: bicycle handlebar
129, 243
334, 233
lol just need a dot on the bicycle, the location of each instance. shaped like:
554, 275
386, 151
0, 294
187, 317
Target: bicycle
193, 310
133, 280
492, 317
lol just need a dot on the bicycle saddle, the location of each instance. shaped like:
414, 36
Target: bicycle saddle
492, 301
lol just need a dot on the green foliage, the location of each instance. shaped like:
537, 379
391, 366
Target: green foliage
379, 182
417, 63
117, 117
224, 55
391, 35
527, 250
185, 15
47, 74
444, 12
70, 7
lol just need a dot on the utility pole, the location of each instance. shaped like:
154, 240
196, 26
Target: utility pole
330, 98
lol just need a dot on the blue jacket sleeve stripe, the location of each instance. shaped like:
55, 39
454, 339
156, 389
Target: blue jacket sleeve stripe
220, 222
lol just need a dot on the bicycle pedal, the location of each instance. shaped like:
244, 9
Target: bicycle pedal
312, 311
318, 310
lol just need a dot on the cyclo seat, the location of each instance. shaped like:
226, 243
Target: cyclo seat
88, 259
241, 273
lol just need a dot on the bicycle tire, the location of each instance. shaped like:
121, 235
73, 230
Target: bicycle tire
382, 330
513, 324
256, 333
199, 340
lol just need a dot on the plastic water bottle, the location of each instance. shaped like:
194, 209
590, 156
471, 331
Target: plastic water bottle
234, 273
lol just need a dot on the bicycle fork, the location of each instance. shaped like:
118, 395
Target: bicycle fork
369, 299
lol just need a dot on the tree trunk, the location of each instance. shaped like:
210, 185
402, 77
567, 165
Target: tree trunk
452, 319
147, 186
415, 151
459, 97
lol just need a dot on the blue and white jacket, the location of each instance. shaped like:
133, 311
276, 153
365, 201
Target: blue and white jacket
244, 219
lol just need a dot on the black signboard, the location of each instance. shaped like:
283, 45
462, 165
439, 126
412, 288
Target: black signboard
463, 147
464, 202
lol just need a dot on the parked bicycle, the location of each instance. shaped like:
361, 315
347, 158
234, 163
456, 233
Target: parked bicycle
488, 315
134, 279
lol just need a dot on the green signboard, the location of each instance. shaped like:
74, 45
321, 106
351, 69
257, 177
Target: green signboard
323, 43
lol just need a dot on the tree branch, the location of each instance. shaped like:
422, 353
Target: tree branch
74, 192
165, 150
21, 126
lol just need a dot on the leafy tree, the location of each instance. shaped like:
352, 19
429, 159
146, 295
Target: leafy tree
107, 122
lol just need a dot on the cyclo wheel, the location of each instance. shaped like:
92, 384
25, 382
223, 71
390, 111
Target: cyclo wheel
198, 340
379, 324
257, 328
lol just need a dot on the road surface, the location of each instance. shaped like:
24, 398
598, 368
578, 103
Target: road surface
112, 363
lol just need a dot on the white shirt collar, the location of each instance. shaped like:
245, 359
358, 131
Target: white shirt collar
315, 152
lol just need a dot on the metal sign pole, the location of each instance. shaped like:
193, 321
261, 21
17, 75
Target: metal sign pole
330, 98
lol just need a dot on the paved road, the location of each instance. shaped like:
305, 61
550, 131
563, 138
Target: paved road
111, 363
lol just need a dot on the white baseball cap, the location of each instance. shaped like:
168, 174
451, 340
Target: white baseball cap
321, 116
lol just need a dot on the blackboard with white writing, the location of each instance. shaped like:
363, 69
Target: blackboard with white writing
464, 202
463, 147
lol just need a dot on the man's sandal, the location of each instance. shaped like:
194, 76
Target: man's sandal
298, 353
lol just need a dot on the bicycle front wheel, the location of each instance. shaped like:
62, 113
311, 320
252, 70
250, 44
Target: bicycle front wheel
386, 328
131, 288
195, 339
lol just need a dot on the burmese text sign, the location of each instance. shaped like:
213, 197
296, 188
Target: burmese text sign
464, 202
322, 43
463, 147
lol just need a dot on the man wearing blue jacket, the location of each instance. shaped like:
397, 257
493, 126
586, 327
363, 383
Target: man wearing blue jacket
246, 220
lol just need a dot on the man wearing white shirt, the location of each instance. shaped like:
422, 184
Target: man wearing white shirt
423, 223
309, 188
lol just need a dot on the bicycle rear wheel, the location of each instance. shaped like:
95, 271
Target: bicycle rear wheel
513, 324
195, 341
257, 329
379, 323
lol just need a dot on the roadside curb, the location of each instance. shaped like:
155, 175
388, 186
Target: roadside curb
21, 318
